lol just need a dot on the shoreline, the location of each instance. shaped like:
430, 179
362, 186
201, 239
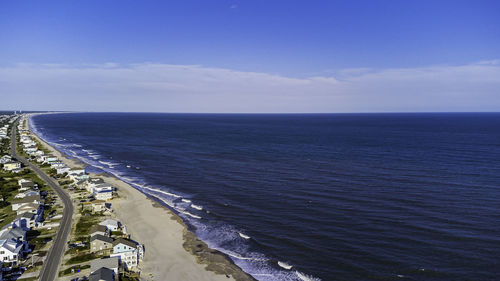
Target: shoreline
172, 251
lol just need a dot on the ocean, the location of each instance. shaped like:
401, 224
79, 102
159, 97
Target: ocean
313, 197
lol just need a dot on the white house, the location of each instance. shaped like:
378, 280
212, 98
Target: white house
104, 195
126, 250
76, 171
56, 165
62, 170
5, 159
33, 208
25, 220
91, 182
102, 187
10, 250
27, 193
12, 165
111, 224
18, 203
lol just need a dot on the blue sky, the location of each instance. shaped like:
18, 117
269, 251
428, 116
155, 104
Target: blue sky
255, 44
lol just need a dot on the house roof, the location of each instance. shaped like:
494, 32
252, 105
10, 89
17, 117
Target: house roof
98, 228
103, 185
95, 202
126, 242
109, 222
29, 206
27, 199
102, 274
101, 238
110, 263
27, 215
11, 245
27, 184
13, 233
96, 180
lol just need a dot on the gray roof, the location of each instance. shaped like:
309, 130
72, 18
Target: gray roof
96, 180
27, 215
13, 233
101, 238
102, 274
110, 263
97, 228
124, 241
27, 184
27, 199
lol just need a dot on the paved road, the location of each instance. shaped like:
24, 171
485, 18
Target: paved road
51, 265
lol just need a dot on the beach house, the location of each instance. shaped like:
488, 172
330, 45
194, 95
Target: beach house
99, 229
111, 224
5, 159
98, 205
17, 203
26, 185
109, 263
27, 194
10, 251
126, 251
102, 274
11, 165
32, 208
25, 220
100, 243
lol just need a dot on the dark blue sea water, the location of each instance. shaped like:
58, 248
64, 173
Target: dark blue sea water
338, 197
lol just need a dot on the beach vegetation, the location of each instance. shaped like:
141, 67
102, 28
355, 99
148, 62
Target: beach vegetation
73, 269
81, 258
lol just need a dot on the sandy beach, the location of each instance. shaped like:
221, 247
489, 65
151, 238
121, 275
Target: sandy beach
172, 252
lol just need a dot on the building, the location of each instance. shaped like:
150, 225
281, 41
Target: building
126, 250
32, 208
10, 251
100, 242
111, 224
12, 165
16, 204
104, 195
26, 194
5, 159
110, 263
102, 274
98, 205
99, 229
25, 220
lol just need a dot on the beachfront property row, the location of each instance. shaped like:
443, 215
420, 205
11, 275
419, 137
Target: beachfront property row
120, 250
28, 204
127, 251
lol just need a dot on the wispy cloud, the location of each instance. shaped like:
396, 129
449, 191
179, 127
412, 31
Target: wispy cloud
193, 88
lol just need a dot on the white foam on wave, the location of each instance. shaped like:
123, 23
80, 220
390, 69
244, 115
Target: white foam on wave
191, 215
244, 236
306, 277
109, 164
284, 265
186, 200
161, 191
240, 257
197, 207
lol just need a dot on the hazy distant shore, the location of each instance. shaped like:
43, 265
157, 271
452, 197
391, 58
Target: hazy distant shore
172, 251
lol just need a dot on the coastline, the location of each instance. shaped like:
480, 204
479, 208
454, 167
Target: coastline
172, 251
